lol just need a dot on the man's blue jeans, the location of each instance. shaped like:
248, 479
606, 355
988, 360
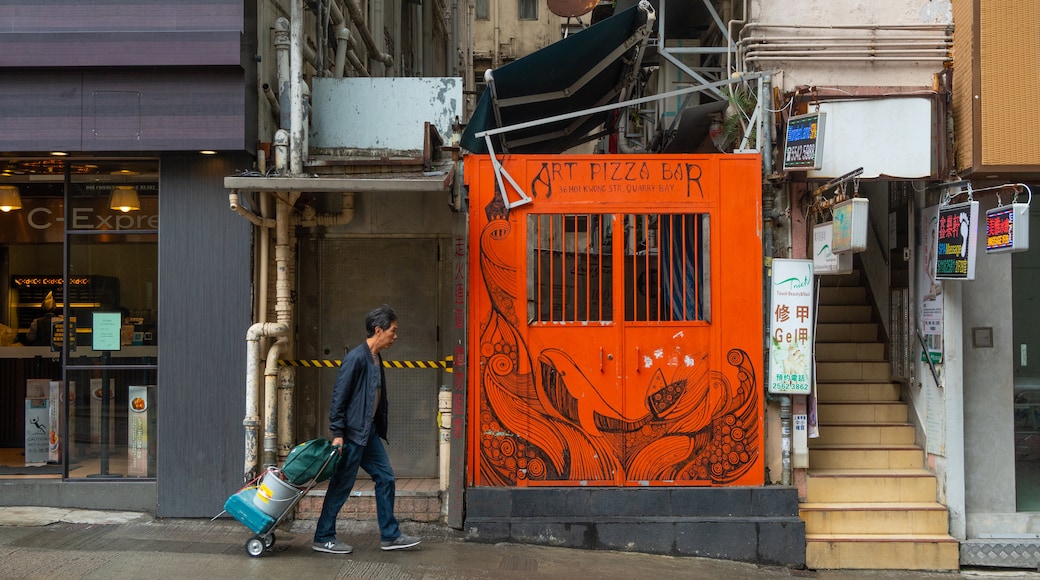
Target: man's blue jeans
373, 459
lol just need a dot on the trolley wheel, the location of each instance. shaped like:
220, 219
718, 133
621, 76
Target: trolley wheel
255, 547
269, 540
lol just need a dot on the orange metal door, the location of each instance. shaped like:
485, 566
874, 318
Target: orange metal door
616, 322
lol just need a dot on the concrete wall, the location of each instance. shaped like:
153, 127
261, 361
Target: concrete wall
988, 383
804, 13
513, 37
205, 306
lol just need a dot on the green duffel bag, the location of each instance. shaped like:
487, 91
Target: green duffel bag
312, 460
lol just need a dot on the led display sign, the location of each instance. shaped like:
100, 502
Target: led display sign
803, 146
1007, 228
955, 246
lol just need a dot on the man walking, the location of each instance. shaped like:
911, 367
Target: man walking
358, 419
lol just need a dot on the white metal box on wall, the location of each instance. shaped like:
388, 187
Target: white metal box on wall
891, 137
850, 225
384, 113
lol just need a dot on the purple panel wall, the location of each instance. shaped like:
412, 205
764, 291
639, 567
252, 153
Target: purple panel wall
127, 75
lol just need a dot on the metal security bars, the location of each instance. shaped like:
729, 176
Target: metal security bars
569, 268
666, 267
664, 259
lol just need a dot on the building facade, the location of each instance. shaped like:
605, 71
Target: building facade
197, 221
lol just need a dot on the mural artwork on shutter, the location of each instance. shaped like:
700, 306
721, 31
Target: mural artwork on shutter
616, 321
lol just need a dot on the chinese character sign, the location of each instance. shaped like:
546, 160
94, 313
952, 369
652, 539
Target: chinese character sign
791, 327
930, 301
1007, 228
955, 248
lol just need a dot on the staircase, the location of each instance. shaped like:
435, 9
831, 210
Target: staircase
870, 501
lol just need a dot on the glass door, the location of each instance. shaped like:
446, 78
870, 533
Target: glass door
109, 328
1025, 272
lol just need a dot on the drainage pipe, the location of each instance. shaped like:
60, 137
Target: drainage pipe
272, 99
281, 151
769, 214
252, 419
281, 49
358, 19
273, 404
444, 433
283, 256
296, 131
309, 218
252, 217
346, 51
340, 63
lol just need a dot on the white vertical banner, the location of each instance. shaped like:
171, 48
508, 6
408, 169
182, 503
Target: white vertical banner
37, 430
791, 327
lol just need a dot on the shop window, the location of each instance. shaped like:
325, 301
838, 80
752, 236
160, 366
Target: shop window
570, 270
79, 263
527, 9
667, 268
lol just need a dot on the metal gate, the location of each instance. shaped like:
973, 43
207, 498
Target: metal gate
615, 321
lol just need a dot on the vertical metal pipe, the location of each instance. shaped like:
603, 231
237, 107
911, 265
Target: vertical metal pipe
769, 214
296, 41
281, 49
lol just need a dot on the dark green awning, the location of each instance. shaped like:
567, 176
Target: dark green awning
590, 68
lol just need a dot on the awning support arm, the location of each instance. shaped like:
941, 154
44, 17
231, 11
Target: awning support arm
500, 174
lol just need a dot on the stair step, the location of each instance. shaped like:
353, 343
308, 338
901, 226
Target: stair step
865, 433
850, 351
844, 313
874, 518
829, 295
860, 412
857, 392
847, 332
866, 456
877, 551
854, 371
851, 279
858, 485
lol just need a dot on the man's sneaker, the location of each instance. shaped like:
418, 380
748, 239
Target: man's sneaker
332, 547
400, 542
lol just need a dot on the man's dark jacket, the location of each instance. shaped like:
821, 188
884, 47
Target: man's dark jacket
350, 415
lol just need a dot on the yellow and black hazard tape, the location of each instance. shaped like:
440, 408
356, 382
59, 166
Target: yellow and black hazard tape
446, 364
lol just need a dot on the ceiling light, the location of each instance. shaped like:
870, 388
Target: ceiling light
10, 198
208, 152
124, 198
59, 153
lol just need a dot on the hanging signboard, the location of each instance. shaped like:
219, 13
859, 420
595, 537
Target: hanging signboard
825, 261
955, 246
791, 327
850, 226
803, 147
930, 306
1007, 228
